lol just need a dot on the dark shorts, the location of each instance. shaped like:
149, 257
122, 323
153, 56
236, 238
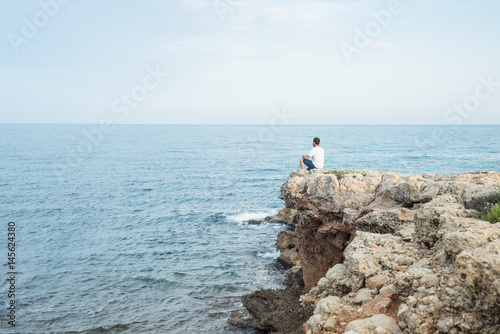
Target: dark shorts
309, 164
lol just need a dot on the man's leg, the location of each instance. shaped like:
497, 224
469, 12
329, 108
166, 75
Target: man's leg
309, 164
302, 166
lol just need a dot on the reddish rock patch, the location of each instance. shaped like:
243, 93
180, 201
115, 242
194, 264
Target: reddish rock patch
319, 250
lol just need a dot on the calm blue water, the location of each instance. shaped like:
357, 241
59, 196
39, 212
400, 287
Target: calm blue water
141, 231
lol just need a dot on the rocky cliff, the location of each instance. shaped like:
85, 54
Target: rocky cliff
390, 253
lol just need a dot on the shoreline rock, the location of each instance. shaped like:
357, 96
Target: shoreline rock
279, 311
288, 243
284, 216
389, 253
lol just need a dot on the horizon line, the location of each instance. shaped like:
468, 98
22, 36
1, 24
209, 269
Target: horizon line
263, 124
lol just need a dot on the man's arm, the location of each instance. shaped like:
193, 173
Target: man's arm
308, 155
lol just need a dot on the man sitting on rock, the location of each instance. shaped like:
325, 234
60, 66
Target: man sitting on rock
315, 158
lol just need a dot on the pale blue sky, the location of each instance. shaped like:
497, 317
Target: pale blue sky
237, 64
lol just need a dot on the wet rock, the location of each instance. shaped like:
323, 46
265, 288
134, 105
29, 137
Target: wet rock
284, 216
287, 240
294, 277
243, 319
287, 244
254, 222
277, 310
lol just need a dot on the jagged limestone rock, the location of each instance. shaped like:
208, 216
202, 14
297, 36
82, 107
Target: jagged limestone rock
420, 231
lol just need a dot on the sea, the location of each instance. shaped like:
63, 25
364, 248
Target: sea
143, 228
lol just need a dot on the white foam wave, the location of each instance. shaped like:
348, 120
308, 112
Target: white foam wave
246, 216
269, 255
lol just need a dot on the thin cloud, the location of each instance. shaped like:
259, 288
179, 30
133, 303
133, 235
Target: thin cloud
384, 45
298, 55
196, 3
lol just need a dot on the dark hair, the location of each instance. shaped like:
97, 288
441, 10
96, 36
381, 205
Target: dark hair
316, 140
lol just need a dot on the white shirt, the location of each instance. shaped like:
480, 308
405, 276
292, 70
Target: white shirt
317, 156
